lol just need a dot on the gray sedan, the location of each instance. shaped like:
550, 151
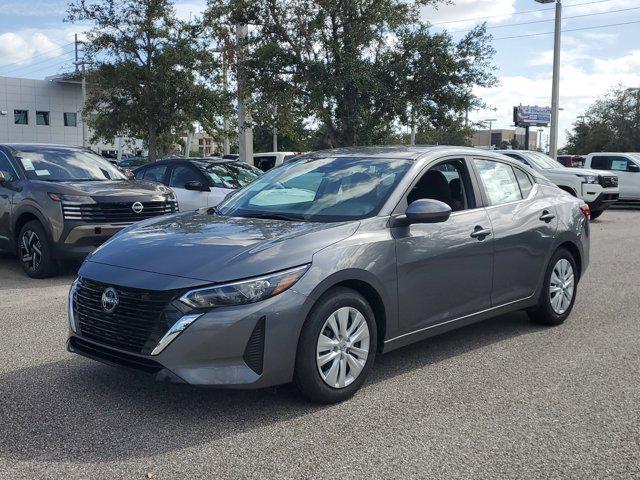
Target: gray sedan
310, 272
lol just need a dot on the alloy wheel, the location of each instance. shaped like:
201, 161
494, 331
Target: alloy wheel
562, 286
343, 347
31, 250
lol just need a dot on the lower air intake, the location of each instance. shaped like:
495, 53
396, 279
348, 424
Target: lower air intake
254, 352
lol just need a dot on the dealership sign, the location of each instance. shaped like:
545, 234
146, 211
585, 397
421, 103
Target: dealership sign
531, 116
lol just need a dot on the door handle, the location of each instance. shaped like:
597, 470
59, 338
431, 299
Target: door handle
547, 216
480, 233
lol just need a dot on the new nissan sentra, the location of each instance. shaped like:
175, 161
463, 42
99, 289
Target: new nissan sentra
325, 262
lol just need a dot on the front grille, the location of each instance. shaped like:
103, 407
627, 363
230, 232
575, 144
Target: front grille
609, 181
107, 355
118, 212
137, 323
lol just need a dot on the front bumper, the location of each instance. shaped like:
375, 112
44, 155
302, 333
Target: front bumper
604, 200
79, 240
247, 346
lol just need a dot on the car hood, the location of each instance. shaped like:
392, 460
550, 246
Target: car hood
111, 190
212, 248
575, 171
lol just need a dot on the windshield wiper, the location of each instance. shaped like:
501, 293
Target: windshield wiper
275, 216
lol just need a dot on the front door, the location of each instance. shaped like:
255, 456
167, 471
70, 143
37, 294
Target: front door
6, 195
628, 181
444, 269
188, 199
524, 223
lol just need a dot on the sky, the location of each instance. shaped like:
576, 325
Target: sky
36, 42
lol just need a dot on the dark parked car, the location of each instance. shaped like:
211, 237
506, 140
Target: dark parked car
133, 162
311, 271
58, 202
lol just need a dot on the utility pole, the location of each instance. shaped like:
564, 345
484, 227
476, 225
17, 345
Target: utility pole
412, 137
275, 128
225, 120
555, 85
83, 119
245, 130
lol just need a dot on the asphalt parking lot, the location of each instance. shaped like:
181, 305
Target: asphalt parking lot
500, 399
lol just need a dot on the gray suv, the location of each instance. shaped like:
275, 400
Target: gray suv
314, 269
59, 202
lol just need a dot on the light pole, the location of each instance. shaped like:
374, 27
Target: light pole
490, 122
555, 85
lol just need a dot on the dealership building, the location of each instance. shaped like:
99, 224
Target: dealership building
48, 111
480, 138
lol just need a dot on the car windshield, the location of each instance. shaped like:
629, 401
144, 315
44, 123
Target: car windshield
228, 175
319, 190
61, 164
541, 160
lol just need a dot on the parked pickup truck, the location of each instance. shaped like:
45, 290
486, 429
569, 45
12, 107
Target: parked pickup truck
598, 189
625, 165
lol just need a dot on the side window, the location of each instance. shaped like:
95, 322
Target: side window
7, 169
518, 158
524, 182
620, 164
499, 181
154, 173
601, 162
182, 174
448, 182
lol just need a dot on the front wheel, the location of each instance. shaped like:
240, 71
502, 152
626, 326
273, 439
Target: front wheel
559, 290
337, 347
35, 251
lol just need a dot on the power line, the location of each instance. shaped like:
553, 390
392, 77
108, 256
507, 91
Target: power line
61, 47
551, 19
568, 30
42, 65
48, 60
522, 12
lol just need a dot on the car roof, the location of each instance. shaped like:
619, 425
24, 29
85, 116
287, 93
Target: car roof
28, 145
398, 151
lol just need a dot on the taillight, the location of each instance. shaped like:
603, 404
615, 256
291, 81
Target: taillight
586, 210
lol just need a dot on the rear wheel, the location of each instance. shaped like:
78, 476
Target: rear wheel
337, 347
35, 252
559, 290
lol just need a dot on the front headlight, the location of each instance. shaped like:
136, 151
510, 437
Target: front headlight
247, 291
589, 178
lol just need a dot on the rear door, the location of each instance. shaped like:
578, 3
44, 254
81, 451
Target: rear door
444, 269
524, 225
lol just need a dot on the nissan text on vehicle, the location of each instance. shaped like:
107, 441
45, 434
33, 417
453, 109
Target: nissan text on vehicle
59, 202
322, 264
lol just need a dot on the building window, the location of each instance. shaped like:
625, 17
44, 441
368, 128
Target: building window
42, 118
70, 119
21, 117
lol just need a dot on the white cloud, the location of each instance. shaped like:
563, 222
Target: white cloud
20, 48
461, 12
582, 82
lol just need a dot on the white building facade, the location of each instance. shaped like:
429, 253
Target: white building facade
47, 111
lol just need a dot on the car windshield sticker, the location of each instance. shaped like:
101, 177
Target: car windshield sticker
27, 164
619, 165
42, 173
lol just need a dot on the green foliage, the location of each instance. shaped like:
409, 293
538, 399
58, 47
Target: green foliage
151, 75
353, 70
612, 124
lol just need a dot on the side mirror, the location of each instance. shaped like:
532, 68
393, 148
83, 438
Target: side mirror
423, 211
197, 186
3, 179
634, 168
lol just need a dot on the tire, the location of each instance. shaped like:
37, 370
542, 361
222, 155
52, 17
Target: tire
551, 309
35, 251
596, 214
334, 381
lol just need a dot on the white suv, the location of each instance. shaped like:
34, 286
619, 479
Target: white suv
625, 165
597, 188
268, 160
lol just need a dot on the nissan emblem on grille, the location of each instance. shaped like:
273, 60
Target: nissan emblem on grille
110, 300
137, 207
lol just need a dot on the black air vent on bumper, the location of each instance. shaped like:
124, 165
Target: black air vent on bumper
254, 352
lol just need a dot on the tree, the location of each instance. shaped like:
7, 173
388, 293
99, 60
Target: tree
151, 74
354, 70
612, 124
